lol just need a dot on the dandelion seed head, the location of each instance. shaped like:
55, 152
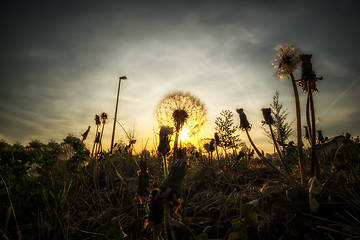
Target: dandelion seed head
181, 108
287, 59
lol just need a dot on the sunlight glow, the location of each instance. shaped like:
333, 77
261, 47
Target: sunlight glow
184, 134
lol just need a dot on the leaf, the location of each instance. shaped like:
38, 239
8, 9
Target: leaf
115, 230
181, 231
237, 236
203, 236
248, 214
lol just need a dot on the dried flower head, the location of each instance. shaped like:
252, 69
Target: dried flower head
97, 120
164, 144
287, 60
308, 76
104, 117
267, 116
244, 124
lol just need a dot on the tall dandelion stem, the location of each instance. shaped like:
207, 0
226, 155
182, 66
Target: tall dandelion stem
266, 160
245, 125
298, 131
277, 149
315, 168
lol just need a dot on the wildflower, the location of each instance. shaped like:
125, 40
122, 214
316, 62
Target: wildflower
269, 120
97, 120
164, 144
180, 108
244, 124
104, 117
267, 116
308, 76
287, 61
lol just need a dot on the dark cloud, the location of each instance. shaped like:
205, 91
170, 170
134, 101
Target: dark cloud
57, 56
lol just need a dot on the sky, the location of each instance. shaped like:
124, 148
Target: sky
60, 63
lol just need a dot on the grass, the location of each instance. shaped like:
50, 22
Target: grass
69, 201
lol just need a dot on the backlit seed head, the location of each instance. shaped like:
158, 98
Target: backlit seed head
287, 60
181, 108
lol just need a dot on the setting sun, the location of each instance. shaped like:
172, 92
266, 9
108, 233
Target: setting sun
184, 134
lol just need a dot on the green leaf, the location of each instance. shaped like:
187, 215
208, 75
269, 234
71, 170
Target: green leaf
115, 230
248, 214
203, 236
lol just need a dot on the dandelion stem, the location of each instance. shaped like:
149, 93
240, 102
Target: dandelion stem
315, 168
277, 149
266, 160
298, 131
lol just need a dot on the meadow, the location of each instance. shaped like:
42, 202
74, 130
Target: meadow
219, 189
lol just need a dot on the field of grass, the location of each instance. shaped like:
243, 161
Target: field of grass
237, 197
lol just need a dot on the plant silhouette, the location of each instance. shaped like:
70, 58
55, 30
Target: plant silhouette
286, 62
178, 109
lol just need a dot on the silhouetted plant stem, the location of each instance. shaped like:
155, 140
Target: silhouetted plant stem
97, 130
176, 138
98, 123
278, 150
298, 131
315, 168
166, 172
266, 160
99, 150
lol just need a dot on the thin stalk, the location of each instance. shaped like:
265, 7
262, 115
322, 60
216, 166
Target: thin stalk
12, 209
298, 132
100, 141
277, 149
217, 152
308, 122
97, 129
165, 166
315, 168
168, 231
176, 138
267, 161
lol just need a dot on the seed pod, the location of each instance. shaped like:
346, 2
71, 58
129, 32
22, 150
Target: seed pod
164, 144
217, 139
244, 124
267, 116
143, 184
175, 179
156, 207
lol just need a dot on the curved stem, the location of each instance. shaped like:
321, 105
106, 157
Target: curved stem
277, 149
266, 160
298, 131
